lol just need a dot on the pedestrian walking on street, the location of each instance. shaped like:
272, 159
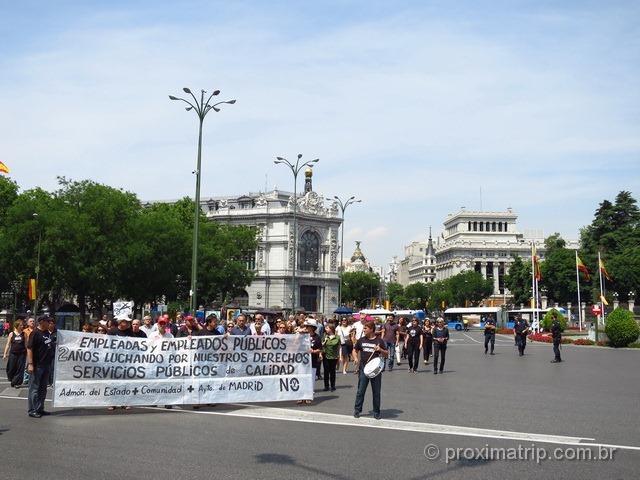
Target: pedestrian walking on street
16, 351
489, 334
330, 355
520, 331
413, 343
40, 353
346, 344
427, 344
556, 333
390, 337
370, 347
440, 339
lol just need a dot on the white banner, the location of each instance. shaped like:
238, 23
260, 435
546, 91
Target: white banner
94, 370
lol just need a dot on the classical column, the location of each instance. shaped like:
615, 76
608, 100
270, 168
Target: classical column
483, 266
496, 278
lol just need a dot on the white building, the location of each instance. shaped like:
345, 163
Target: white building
480, 241
418, 264
271, 213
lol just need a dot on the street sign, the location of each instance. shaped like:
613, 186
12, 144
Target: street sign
596, 310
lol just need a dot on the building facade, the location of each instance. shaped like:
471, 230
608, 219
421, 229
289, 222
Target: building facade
418, 264
482, 241
318, 249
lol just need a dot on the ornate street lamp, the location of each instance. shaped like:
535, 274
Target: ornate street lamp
201, 108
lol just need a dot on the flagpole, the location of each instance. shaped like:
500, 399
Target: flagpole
601, 287
534, 289
579, 303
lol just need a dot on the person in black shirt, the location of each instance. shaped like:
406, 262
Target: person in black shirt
556, 333
16, 348
440, 339
413, 342
211, 327
427, 343
135, 329
40, 353
123, 328
489, 335
520, 331
369, 346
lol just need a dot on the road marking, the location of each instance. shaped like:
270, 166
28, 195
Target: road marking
19, 398
471, 338
271, 413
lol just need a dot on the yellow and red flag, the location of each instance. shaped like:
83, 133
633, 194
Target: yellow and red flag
4, 168
32, 289
604, 270
536, 263
583, 268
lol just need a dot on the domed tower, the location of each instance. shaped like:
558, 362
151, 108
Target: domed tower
308, 174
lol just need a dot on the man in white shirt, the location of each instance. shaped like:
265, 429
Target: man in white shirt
265, 328
358, 332
147, 327
162, 330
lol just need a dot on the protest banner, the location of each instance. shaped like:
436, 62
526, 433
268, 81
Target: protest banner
102, 370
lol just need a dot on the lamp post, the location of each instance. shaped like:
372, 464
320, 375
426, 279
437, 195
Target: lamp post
295, 169
343, 206
201, 108
35, 302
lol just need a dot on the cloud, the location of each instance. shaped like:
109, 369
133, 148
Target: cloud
412, 109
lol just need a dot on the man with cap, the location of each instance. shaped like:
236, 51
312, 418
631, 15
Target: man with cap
190, 328
162, 331
123, 327
40, 353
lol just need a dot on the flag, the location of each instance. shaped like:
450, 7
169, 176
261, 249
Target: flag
32, 289
603, 300
536, 263
583, 268
604, 270
4, 168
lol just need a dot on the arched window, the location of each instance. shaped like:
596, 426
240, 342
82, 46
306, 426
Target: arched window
481, 226
309, 252
493, 227
469, 227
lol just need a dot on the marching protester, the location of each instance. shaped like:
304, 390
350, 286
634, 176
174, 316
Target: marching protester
330, 354
211, 327
489, 334
427, 344
40, 353
346, 345
390, 337
402, 336
190, 328
87, 328
356, 334
259, 326
520, 332
556, 333
147, 327
136, 329
316, 351
122, 328
27, 332
101, 329
413, 342
440, 338
241, 327
369, 347
162, 331
16, 348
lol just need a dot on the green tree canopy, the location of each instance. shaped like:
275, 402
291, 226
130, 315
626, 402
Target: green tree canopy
518, 281
359, 287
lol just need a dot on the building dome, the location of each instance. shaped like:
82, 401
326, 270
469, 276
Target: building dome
308, 172
357, 254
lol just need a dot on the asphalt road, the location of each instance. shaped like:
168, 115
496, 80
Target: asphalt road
592, 399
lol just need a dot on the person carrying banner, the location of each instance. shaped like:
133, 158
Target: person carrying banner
370, 347
40, 353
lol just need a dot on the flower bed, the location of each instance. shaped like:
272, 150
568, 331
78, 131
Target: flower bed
583, 341
505, 331
546, 338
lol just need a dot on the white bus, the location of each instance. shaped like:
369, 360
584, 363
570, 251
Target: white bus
475, 317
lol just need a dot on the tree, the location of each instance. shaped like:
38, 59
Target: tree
559, 270
518, 281
358, 287
416, 295
469, 286
395, 292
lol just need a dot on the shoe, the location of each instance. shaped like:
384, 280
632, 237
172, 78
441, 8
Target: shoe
376, 416
485, 352
333, 389
410, 369
425, 362
344, 373
111, 408
325, 389
492, 353
356, 414
44, 413
415, 370
441, 371
556, 361
34, 415
435, 372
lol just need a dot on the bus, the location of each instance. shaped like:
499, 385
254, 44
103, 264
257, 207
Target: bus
475, 316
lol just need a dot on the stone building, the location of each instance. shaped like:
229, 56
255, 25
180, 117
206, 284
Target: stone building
271, 213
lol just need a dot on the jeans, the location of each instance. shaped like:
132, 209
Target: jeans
439, 350
413, 353
521, 342
489, 337
390, 348
556, 349
427, 348
330, 365
363, 383
38, 389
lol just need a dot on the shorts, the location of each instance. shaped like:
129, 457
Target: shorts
346, 349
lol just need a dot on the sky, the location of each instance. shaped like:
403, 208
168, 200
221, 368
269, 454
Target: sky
413, 107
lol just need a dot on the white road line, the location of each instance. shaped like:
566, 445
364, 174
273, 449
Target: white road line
471, 338
8, 391
19, 398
